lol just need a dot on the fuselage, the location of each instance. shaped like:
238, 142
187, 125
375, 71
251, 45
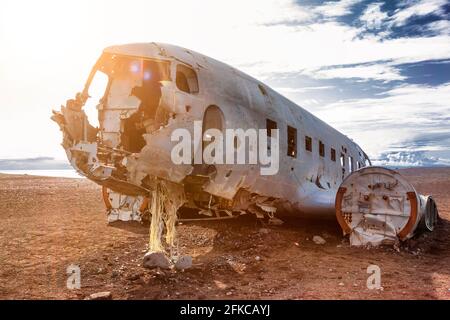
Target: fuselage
133, 144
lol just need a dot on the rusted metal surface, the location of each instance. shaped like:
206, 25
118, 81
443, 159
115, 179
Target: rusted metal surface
378, 206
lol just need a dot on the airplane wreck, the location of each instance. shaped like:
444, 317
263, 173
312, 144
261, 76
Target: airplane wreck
118, 132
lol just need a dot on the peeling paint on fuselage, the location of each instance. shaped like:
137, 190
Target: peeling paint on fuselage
306, 183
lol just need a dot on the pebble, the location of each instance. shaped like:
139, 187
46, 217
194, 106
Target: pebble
319, 240
156, 260
133, 277
184, 263
102, 271
275, 222
106, 295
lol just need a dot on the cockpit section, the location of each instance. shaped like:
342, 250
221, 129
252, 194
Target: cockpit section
129, 106
104, 126
119, 123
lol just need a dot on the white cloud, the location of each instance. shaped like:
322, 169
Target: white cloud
399, 117
331, 44
42, 65
269, 12
441, 27
418, 8
288, 12
302, 89
379, 71
336, 8
308, 103
373, 17
412, 159
334, 48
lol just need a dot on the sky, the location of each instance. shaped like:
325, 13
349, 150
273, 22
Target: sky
378, 71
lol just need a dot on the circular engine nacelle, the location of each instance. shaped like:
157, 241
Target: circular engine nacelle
430, 214
377, 205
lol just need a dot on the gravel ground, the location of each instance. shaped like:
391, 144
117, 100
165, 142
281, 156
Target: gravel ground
48, 224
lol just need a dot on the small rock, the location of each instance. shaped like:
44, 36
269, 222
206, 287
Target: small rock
341, 284
264, 231
156, 260
258, 258
326, 235
297, 244
102, 271
134, 277
220, 285
275, 222
319, 240
159, 273
183, 263
106, 295
229, 293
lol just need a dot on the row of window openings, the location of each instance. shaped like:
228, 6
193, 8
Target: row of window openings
186, 80
292, 146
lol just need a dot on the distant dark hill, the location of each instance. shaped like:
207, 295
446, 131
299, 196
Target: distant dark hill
40, 163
